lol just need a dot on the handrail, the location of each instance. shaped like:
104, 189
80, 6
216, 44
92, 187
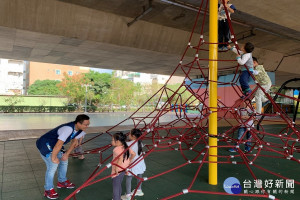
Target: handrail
274, 99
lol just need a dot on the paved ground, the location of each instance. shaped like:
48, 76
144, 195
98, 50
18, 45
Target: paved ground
22, 174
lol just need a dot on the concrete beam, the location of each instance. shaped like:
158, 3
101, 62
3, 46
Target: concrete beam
63, 33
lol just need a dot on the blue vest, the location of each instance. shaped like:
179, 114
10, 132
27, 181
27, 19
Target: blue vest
46, 142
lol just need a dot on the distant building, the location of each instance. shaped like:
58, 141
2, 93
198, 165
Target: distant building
145, 78
13, 75
16, 76
44, 71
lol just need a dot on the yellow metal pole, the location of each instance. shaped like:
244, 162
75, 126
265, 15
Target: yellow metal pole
213, 92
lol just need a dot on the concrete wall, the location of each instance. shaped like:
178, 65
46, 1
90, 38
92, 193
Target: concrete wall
44, 71
33, 100
227, 94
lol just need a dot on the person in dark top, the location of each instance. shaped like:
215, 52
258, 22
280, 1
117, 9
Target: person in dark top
223, 26
52, 152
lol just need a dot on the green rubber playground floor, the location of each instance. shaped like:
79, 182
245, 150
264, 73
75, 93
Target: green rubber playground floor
22, 174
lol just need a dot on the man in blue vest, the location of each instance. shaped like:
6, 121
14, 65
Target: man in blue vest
50, 146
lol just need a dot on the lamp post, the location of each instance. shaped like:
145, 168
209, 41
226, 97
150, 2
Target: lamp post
85, 97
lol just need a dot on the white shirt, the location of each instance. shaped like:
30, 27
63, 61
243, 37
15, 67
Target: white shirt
65, 131
140, 167
222, 13
246, 112
244, 59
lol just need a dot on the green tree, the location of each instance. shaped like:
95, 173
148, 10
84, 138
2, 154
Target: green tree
185, 96
140, 97
121, 91
44, 87
73, 88
99, 85
148, 91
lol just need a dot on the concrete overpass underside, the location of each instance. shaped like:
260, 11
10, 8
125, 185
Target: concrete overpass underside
105, 34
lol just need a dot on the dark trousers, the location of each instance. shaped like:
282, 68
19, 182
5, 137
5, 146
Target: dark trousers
128, 183
244, 81
241, 132
117, 186
223, 33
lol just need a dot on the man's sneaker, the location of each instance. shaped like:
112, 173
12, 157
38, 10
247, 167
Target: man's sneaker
138, 193
51, 194
225, 49
126, 197
232, 150
66, 184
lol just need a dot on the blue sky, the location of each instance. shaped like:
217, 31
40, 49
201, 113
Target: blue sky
109, 71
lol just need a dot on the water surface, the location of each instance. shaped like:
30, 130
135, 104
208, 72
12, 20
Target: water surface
24, 121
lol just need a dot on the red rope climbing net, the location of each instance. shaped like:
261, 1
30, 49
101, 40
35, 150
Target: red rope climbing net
188, 133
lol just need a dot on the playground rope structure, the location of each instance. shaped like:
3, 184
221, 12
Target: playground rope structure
187, 134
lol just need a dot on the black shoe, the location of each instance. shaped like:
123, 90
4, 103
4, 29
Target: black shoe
248, 92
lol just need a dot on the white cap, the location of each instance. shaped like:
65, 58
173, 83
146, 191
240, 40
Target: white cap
185, 191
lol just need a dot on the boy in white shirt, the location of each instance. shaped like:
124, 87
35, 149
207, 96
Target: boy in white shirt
244, 57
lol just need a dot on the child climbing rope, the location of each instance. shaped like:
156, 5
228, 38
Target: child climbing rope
223, 26
244, 57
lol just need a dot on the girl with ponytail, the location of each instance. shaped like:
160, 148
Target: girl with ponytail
139, 167
119, 166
